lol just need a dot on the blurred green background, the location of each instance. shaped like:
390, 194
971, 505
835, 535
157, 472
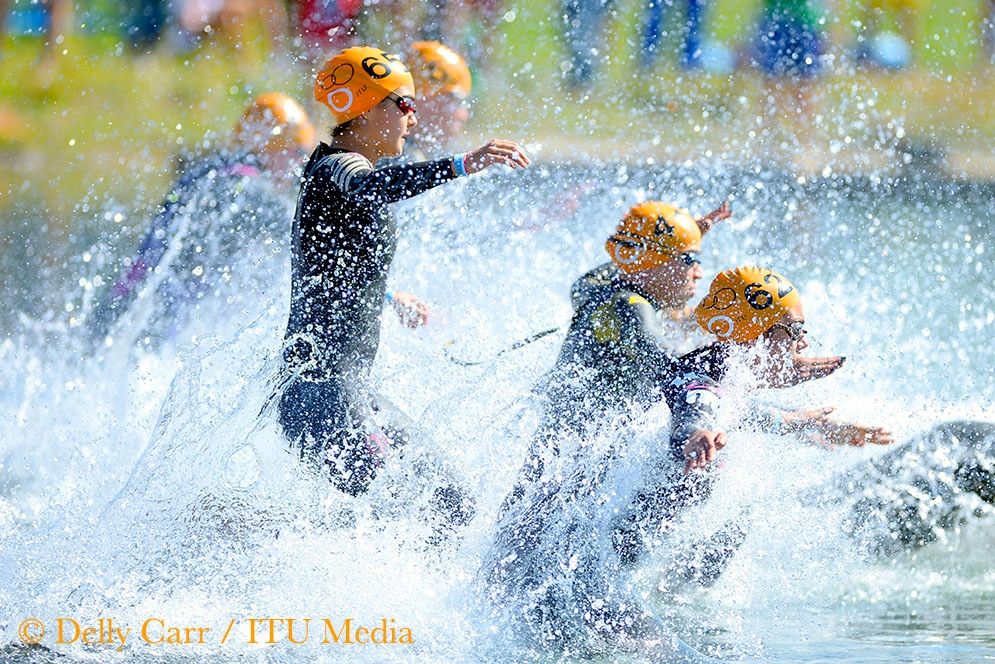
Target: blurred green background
91, 127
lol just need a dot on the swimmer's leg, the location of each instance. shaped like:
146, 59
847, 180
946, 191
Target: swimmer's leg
451, 506
654, 508
637, 630
704, 560
324, 421
543, 444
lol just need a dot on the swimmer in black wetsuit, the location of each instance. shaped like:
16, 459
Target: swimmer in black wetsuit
200, 230
745, 306
562, 548
618, 350
444, 83
903, 500
919, 492
344, 238
617, 355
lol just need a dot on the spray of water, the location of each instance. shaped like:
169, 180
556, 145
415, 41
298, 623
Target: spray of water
152, 479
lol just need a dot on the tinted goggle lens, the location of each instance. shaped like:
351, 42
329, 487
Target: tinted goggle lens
405, 104
795, 330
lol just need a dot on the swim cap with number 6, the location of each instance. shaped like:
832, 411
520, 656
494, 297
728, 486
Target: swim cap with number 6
357, 79
744, 302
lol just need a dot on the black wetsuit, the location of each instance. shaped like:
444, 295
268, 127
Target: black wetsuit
919, 491
613, 358
692, 394
344, 238
613, 349
551, 551
556, 565
198, 232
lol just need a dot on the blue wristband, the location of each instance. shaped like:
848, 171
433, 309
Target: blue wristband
459, 164
389, 298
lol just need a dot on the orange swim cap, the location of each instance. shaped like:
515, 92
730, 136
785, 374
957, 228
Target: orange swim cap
651, 234
744, 302
438, 69
273, 123
357, 79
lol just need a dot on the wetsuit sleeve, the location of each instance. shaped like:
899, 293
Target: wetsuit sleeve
694, 404
693, 395
150, 251
356, 177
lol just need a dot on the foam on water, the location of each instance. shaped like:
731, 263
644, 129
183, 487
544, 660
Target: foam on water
137, 482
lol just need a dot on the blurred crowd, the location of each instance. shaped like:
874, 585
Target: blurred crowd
793, 37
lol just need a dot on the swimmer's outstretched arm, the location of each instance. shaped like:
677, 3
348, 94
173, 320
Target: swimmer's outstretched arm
800, 369
357, 178
831, 431
390, 184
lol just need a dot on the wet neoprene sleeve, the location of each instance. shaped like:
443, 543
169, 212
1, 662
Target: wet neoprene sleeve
693, 394
693, 399
390, 184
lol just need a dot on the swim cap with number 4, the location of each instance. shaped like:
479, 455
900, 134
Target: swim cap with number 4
651, 234
744, 302
357, 79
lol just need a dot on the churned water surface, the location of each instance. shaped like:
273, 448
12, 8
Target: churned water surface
151, 479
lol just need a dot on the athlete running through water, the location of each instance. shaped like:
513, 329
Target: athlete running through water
344, 237
223, 203
619, 350
561, 550
444, 85
757, 316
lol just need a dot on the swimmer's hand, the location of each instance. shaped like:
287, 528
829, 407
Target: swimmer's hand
412, 311
855, 435
496, 151
831, 432
701, 447
801, 369
705, 223
802, 419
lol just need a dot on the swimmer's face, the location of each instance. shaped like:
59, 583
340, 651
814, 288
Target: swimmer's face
784, 341
674, 283
787, 336
393, 124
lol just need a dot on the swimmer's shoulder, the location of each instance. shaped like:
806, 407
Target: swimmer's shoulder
337, 166
598, 286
